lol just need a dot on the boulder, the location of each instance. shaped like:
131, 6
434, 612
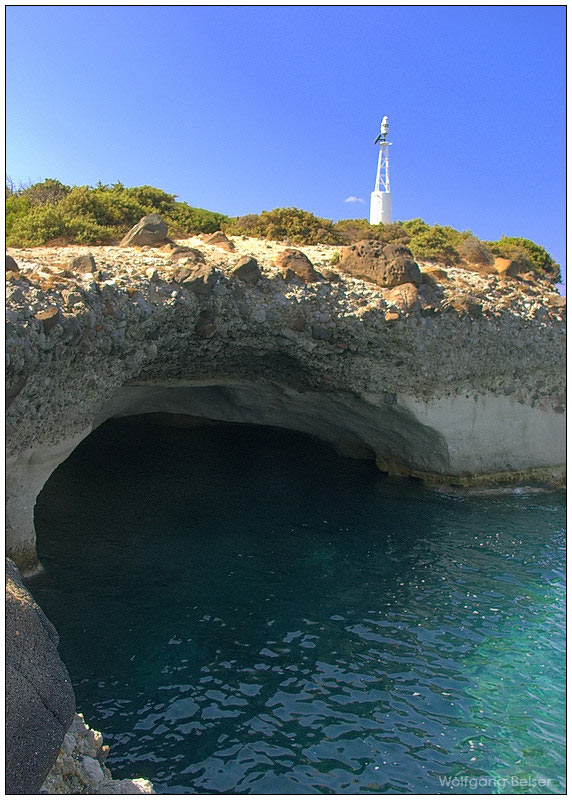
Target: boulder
82, 264
404, 297
507, 267
298, 263
200, 280
247, 270
49, 318
177, 251
149, 230
385, 264
11, 265
219, 239
40, 703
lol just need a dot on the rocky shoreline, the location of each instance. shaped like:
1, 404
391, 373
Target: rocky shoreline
455, 375
80, 766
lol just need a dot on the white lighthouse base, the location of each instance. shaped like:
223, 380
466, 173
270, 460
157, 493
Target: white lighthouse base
380, 208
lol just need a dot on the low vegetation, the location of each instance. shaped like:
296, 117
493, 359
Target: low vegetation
101, 214
49, 211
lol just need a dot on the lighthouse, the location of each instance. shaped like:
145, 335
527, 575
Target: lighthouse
380, 205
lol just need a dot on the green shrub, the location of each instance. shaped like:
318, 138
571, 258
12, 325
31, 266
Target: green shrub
104, 213
36, 227
433, 243
48, 192
95, 215
293, 224
532, 256
355, 230
184, 220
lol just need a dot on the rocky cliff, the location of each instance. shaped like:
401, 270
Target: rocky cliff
40, 702
443, 373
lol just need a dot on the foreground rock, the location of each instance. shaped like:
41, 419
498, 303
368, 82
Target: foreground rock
40, 702
80, 766
385, 264
247, 270
294, 262
219, 239
150, 230
84, 263
11, 265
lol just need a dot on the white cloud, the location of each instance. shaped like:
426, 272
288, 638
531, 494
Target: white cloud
353, 199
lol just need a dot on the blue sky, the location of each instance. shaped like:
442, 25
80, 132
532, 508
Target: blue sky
239, 109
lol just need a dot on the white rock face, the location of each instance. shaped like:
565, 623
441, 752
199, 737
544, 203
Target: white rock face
80, 767
465, 385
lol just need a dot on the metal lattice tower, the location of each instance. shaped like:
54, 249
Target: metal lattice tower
380, 205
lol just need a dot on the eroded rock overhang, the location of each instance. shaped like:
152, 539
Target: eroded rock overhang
437, 393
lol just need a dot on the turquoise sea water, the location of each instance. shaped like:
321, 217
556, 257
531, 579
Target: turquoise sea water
244, 611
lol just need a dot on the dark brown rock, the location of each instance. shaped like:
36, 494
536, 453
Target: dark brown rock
332, 276
179, 251
297, 262
219, 239
201, 280
82, 264
49, 318
385, 264
11, 265
40, 703
298, 323
247, 270
150, 230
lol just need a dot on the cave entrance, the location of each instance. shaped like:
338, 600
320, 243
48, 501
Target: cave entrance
191, 566
137, 480
244, 610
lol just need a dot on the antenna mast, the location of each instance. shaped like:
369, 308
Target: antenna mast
380, 205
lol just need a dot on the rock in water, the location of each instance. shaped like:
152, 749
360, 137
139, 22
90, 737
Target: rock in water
385, 264
40, 702
149, 230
